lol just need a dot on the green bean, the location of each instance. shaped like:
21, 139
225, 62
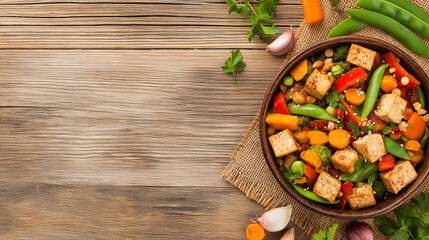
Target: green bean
310, 110
311, 195
420, 13
394, 11
425, 139
394, 28
421, 97
395, 148
360, 174
346, 27
373, 89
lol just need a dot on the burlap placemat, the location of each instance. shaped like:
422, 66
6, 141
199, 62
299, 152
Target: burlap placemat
248, 169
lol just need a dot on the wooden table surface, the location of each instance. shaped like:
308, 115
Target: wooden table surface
116, 120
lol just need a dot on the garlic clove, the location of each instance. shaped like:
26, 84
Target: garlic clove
282, 44
289, 234
275, 219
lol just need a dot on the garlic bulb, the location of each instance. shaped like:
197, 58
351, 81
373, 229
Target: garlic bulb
275, 219
289, 235
282, 44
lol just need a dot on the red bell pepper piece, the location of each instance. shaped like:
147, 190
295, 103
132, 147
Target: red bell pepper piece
311, 175
386, 162
345, 189
350, 113
400, 72
279, 104
339, 113
320, 124
373, 118
354, 76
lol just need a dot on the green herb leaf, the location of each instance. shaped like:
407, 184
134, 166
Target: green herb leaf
332, 98
387, 226
328, 234
354, 127
409, 126
400, 235
405, 139
342, 107
388, 128
290, 175
334, 2
234, 63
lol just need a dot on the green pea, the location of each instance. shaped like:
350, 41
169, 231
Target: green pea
337, 70
288, 81
394, 11
298, 167
346, 27
330, 75
394, 28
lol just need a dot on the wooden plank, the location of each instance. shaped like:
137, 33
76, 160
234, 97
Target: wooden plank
38, 211
165, 117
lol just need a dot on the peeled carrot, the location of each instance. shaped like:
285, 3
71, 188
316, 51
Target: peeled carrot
355, 96
301, 137
388, 83
282, 121
317, 137
255, 231
312, 11
339, 138
412, 145
311, 157
300, 70
418, 127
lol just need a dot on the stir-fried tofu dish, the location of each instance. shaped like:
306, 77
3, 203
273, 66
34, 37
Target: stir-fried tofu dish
348, 127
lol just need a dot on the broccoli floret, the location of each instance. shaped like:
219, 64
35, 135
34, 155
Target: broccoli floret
379, 189
344, 66
341, 52
303, 121
321, 57
324, 153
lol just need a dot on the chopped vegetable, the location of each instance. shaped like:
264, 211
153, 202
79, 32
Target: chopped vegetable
311, 157
312, 11
345, 66
421, 97
257, 17
234, 64
310, 110
300, 70
288, 81
425, 139
412, 145
328, 234
311, 195
388, 83
386, 162
341, 52
373, 89
323, 152
345, 189
400, 72
362, 171
416, 127
319, 124
317, 137
379, 189
355, 96
282, 44
255, 231
395, 148
282, 121
279, 104
301, 137
350, 114
339, 138
354, 76
310, 174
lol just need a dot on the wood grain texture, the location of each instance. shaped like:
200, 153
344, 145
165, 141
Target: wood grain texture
116, 119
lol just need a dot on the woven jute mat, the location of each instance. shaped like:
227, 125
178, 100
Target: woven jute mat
248, 170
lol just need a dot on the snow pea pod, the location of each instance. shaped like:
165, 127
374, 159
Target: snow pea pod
420, 13
395, 148
373, 89
360, 174
425, 139
312, 196
394, 28
346, 27
421, 96
310, 110
400, 14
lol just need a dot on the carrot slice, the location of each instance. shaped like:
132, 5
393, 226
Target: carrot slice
355, 96
312, 11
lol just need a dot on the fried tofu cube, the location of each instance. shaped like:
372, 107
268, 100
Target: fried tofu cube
360, 56
361, 197
371, 147
399, 176
345, 159
391, 108
318, 84
283, 143
327, 186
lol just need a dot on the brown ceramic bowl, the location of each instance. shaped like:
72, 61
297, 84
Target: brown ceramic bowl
382, 207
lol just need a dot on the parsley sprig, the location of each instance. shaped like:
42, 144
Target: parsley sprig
328, 234
411, 223
234, 63
262, 14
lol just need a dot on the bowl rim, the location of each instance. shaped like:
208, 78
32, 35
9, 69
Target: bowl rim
349, 214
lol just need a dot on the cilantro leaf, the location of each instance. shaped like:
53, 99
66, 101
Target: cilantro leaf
400, 235
334, 2
342, 107
354, 127
332, 98
368, 128
267, 6
237, 7
388, 128
358, 110
234, 64
328, 234
387, 226
290, 175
